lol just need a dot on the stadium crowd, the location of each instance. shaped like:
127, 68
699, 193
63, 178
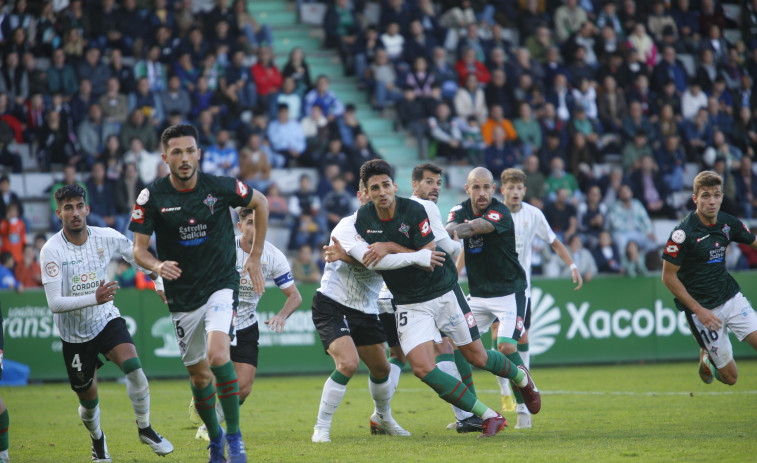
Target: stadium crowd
606, 105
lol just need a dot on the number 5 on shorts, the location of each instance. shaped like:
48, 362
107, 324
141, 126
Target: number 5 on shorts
76, 363
401, 318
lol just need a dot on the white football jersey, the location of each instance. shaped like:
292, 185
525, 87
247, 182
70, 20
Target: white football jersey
353, 286
530, 222
79, 269
274, 265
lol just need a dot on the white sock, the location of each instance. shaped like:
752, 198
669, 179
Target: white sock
521, 409
139, 393
91, 419
451, 369
394, 374
220, 415
382, 398
489, 413
333, 393
504, 386
526, 357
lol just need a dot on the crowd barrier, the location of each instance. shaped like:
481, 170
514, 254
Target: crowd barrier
609, 320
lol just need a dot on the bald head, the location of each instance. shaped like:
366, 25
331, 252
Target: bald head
480, 188
481, 174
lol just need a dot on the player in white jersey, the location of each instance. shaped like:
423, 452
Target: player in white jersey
244, 347
345, 313
75, 263
529, 223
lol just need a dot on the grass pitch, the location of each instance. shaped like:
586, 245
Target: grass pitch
648, 413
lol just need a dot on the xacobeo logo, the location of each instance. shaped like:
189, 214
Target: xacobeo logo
545, 322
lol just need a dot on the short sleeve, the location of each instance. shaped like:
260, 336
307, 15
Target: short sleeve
498, 215
675, 248
346, 232
455, 215
740, 233
142, 220
241, 194
421, 232
50, 265
282, 273
543, 230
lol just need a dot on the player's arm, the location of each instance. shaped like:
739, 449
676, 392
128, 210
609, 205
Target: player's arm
478, 226
673, 283
460, 263
753, 244
126, 249
53, 282
259, 205
293, 302
168, 269
426, 257
562, 251
377, 251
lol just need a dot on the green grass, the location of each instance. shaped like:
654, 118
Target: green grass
648, 413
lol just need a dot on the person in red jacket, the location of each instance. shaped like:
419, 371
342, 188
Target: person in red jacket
267, 77
13, 233
470, 64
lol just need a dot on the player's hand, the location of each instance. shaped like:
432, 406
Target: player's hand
708, 319
168, 269
335, 252
252, 268
577, 279
276, 323
455, 237
376, 252
437, 259
162, 295
106, 291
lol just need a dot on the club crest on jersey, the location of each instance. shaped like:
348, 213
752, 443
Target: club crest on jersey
210, 201
144, 195
405, 230
52, 269
727, 231
101, 254
678, 236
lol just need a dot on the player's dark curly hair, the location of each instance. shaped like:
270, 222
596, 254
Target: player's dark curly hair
375, 167
176, 131
426, 166
70, 192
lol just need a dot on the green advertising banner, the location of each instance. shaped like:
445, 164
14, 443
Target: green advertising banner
609, 320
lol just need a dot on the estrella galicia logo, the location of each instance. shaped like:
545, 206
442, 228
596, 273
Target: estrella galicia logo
545, 322
210, 201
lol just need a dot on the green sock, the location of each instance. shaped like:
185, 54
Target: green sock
713, 369
339, 378
4, 430
466, 371
397, 362
205, 404
523, 347
228, 393
501, 366
450, 389
515, 358
445, 358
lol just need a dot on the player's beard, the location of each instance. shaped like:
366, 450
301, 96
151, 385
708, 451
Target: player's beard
187, 177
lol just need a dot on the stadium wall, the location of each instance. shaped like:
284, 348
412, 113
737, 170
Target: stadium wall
609, 320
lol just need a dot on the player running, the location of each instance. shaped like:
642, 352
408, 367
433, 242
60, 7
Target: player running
244, 348
75, 266
428, 303
529, 223
189, 213
693, 269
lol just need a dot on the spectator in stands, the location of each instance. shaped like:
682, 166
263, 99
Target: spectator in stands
426, 14
9, 158
317, 130
671, 160
419, 44
499, 155
721, 148
81, 101
693, 100
568, 20
635, 121
591, 216
335, 154
667, 124
528, 130
411, 115
277, 204
203, 98
628, 220
441, 70
28, 272
175, 99
497, 119
469, 64
697, 134
342, 29
419, 79
446, 134
95, 70
187, 72
587, 38
348, 126
707, 70
744, 132
297, 68
330, 104
669, 68
581, 157
8, 197
611, 106
632, 262
730, 203
659, 20
536, 184
337, 203
606, 255
360, 153
7, 280
552, 67
221, 158
126, 190
649, 188
551, 149
162, 35
304, 268
56, 144
73, 45
255, 164
470, 100
37, 77
472, 40
102, 202
559, 179
112, 157
151, 69
746, 188
61, 77
124, 75
383, 80
687, 22
365, 52
561, 97
257, 35
147, 162
13, 233
497, 92
14, 80
92, 133
114, 104
578, 68
539, 43
634, 150
393, 43
561, 215
138, 126
286, 136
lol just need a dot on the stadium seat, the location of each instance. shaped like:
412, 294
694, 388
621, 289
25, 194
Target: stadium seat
288, 180
28, 162
37, 184
688, 63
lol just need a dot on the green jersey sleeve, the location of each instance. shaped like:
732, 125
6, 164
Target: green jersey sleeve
142, 216
456, 215
676, 247
498, 215
740, 233
421, 233
239, 193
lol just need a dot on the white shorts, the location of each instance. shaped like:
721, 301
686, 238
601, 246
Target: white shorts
509, 310
193, 327
422, 322
735, 314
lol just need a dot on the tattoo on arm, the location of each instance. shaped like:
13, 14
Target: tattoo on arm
474, 227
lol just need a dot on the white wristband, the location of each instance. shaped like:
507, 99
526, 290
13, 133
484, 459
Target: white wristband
573, 266
159, 284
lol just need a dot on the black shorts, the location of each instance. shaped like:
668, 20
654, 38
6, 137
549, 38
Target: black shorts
82, 359
334, 320
246, 350
390, 328
527, 320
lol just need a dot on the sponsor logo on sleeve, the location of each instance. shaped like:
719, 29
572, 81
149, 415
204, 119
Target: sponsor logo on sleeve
144, 195
470, 319
425, 227
451, 216
242, 189
138, 214
672, 249
678, 236
52, 269
494, 216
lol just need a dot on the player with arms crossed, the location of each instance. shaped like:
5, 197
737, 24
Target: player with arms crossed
244, 348
75, 266
693, 269
189, 213
345, 313
529, 223
430, 302
497, 281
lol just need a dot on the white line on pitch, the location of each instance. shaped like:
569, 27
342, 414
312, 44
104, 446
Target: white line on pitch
625, 393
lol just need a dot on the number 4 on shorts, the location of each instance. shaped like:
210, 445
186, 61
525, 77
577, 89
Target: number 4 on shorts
76, 363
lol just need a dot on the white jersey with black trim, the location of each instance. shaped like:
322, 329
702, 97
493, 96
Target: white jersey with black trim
353, 286
78, 270
530, 222
274, 265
